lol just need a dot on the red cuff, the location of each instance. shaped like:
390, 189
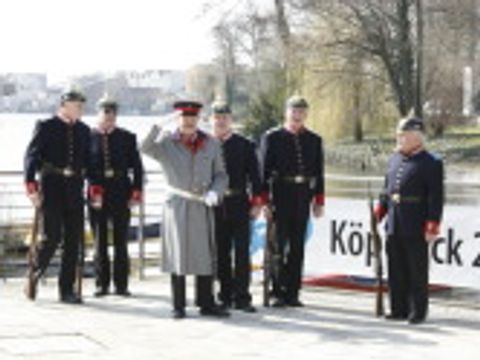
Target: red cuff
257, 200
136, 196
432, 227
380, 212
319, 199
31, 187
95, 191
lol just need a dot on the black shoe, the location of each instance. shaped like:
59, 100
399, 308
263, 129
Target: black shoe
123, 292
71, 299
101, 292
179, 314
295, 303
396, 317
416, 320
214, 311
279, 303
224, 301
248, 308
225, 305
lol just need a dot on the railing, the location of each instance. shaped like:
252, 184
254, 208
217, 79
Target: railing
16, 216
16, 212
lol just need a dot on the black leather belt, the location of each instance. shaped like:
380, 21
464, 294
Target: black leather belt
398, 198
112, 173
67, 171
298, 179
233, 192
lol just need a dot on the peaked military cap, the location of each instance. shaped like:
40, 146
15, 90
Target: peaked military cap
187, 107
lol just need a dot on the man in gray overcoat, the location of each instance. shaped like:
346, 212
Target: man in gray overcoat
196, 180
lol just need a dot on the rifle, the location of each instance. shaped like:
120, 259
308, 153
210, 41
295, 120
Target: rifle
268, 259
80, 265
377, 253
270, 252
31, 289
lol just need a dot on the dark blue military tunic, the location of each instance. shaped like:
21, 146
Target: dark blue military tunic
232, 219
293, 176
117, 169
413, 199
116, 165
243, 175
60, 153
413, 193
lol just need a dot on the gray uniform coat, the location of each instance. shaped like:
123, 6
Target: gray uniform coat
188, 244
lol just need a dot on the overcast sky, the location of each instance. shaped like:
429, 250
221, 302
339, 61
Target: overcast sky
65, 37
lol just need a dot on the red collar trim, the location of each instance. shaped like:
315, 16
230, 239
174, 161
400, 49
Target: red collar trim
194, 142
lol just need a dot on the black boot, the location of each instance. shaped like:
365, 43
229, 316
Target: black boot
416, 320
71, 298
100, 292
123, 292
178, 314
295, 303
279, 303
214, 311
247, 307
396, 317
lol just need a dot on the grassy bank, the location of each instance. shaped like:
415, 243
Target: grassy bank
457, 148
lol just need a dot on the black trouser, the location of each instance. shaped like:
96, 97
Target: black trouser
292, 210
63, 223
119, 217
232, 230
203, 293
408, 275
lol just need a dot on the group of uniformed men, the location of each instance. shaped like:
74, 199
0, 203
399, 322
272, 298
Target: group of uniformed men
216, 183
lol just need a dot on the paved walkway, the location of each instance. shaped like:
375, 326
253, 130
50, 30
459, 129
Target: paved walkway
334, 325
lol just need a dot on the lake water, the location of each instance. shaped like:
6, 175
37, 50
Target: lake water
16, 131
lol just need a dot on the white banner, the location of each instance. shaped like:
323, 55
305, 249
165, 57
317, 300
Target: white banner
340, 243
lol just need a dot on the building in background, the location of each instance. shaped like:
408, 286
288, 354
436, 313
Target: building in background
139, 92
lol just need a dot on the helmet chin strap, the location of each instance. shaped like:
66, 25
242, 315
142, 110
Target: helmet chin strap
222, 133
413, 150
66, 117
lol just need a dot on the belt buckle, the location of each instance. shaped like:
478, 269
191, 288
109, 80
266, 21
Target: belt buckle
67, 172
298, 179
396, 198
109, 173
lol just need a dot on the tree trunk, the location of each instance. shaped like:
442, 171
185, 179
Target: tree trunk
283, 31
357, 114
419, 65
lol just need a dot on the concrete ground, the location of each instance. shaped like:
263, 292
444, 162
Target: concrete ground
333, 325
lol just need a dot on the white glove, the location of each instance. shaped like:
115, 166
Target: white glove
211, 198
35, 199
168, 122
318, 211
